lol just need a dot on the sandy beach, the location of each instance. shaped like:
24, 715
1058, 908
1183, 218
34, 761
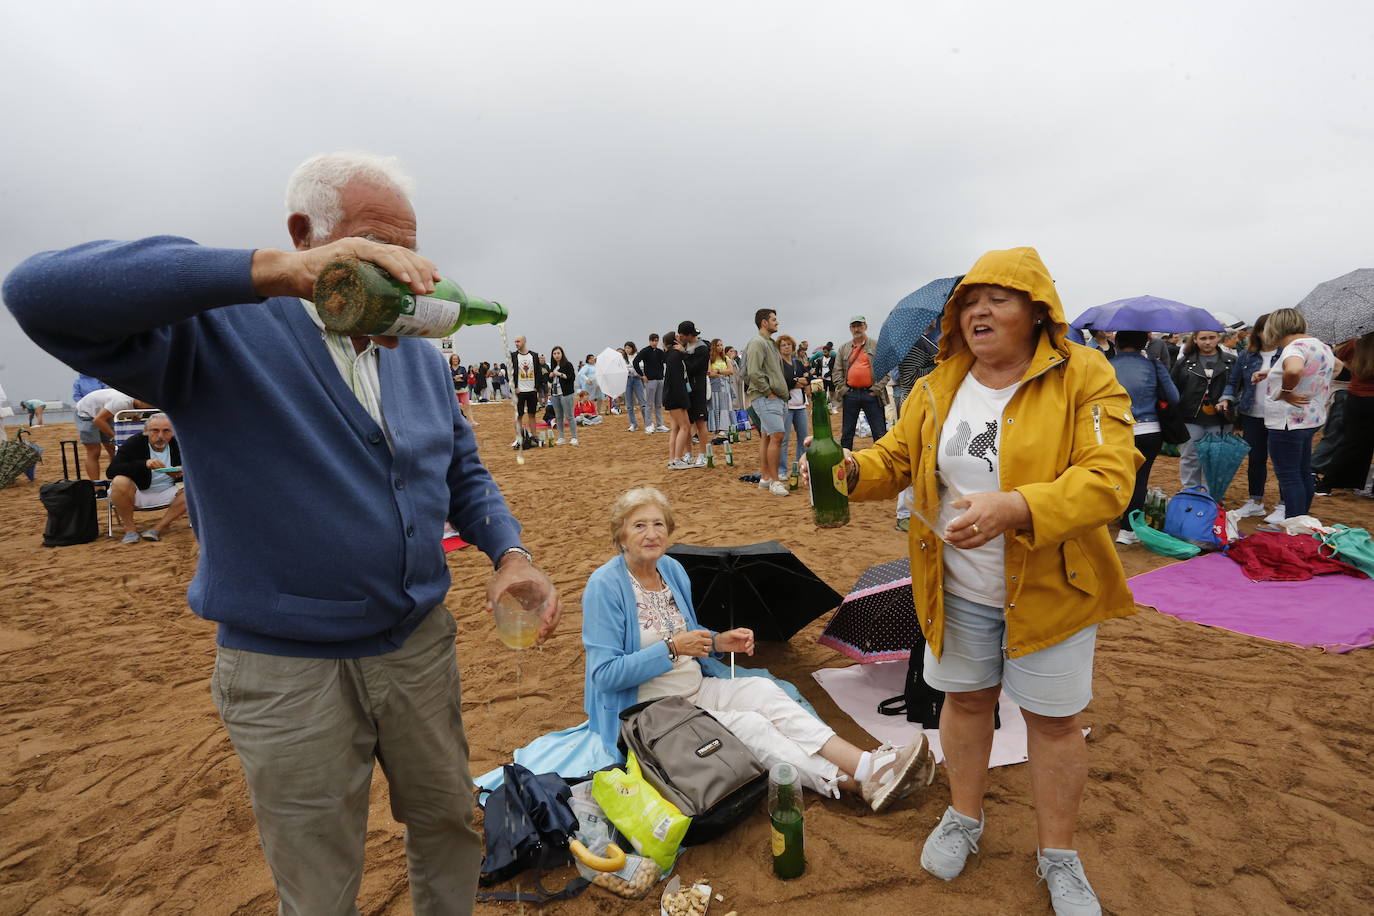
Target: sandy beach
1229, 774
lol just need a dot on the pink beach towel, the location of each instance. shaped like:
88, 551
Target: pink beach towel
1331, 613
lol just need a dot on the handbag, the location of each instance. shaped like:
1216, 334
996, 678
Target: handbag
1166, 545
1171, 425
695, 763
1353, 546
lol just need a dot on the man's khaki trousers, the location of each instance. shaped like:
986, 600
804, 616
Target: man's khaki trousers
307, 732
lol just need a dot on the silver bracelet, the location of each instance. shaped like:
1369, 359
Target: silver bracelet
520, 550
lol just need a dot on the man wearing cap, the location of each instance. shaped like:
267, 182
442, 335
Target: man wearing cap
856, 387
696, 356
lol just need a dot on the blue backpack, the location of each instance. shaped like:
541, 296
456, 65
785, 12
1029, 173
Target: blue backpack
1194, 516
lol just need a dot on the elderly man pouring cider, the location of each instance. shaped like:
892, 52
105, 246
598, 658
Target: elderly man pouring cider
1019, 448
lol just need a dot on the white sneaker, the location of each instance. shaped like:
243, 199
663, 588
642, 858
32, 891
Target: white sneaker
663, 429
649, 430
1127, 536
515, 444
1278, 515
777, 488
572, 441
677, 464
898, 772
633, 429
1250, 509
616, 411
700, 462
763, 484
558, 441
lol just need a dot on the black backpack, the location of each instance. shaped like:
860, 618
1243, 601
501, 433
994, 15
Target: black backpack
527, 823
694, 762
71, 513
920, 702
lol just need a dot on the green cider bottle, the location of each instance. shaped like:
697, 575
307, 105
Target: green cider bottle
793, 477
786, 820
729, 454
357, 298
825, 464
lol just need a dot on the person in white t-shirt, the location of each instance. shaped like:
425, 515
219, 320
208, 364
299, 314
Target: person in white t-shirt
95, 415
1020, 450
529, 379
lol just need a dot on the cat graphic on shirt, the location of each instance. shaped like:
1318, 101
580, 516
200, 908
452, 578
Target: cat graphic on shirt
979, 446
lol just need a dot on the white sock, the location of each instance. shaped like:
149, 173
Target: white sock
865, 768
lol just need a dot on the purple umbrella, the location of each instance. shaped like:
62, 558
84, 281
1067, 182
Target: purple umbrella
1148, 313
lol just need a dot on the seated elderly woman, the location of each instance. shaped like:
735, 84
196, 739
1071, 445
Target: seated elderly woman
643, 641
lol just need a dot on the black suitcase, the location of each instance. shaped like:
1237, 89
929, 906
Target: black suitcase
71, 513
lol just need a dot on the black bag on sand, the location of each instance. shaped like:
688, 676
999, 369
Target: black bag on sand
921, 702
694, 762
71, 513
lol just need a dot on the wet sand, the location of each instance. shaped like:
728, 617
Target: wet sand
1229, 774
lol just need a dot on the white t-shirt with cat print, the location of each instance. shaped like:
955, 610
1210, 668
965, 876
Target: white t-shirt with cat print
969, 462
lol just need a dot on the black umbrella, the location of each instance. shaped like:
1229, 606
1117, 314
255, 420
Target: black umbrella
760, 586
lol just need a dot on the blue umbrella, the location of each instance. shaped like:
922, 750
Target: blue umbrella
1221, 457
908, 320
1148, 313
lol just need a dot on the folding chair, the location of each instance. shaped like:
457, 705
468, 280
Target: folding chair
127, 423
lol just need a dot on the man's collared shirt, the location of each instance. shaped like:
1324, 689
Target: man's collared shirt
359, 370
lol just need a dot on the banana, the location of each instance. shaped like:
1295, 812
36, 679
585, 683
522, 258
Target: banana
614, 860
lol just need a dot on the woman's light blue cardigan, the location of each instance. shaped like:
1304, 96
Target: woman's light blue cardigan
616, 665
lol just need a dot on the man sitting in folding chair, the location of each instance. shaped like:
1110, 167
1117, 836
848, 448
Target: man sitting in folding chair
140, 479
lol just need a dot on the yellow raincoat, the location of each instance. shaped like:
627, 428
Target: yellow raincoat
1068, 447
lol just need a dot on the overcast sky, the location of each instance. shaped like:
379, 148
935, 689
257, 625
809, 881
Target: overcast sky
607, 169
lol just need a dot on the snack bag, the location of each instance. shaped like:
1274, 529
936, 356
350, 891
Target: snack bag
651, 823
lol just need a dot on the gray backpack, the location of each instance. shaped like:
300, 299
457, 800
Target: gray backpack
694, 762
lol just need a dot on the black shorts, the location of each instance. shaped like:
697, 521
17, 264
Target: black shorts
526, 402
696, 404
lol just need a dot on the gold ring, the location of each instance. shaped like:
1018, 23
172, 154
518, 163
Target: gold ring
974, 526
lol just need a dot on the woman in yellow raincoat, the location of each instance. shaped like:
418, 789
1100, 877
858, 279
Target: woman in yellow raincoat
1020, 450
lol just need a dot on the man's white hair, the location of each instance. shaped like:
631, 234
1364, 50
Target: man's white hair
314, 186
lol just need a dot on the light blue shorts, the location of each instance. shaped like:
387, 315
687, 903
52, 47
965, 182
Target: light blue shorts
88, 433
1056, 681
772, 414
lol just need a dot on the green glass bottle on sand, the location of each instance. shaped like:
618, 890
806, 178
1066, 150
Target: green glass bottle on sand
358, 298
825, 465
785, 816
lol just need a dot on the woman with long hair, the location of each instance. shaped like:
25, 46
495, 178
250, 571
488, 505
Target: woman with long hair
721, 370
676, 400
1242, 393
1296, 390
562, 378
798, 395
634, 389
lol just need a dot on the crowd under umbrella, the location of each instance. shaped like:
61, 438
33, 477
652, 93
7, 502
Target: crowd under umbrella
877, 621
908, 320
1148, 313
1220, 458
764, 587
1341, 309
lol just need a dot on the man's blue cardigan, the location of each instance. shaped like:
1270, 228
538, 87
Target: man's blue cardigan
316, 539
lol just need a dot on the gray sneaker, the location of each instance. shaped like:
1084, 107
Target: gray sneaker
130, 537
151, 535
1070, 892
949, 844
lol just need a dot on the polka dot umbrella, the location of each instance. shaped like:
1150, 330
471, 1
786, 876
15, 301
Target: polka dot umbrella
877, 620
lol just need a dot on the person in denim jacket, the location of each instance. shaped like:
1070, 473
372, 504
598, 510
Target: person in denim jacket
1147, 382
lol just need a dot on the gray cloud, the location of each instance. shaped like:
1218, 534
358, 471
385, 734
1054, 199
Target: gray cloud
607, 169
